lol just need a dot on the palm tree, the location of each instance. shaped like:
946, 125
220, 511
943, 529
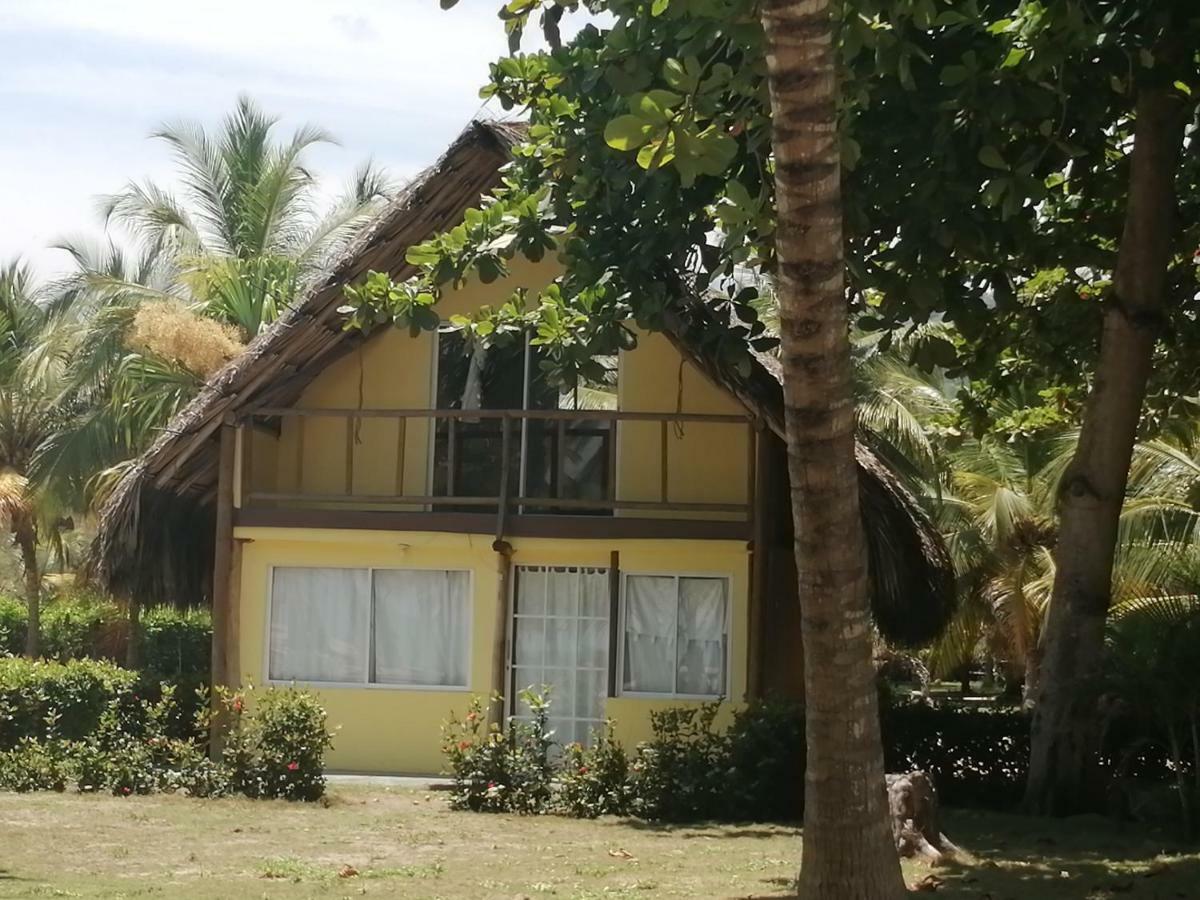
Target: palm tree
233, 248
844, 780
996, 510
247, 229
36, 343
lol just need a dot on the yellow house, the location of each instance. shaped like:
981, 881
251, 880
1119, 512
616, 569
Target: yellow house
398, 525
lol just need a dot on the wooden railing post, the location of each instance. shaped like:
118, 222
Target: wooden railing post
505, 458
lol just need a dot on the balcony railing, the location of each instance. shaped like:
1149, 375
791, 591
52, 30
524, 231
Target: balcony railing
558, 462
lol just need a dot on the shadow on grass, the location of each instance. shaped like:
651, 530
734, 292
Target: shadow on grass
710, 829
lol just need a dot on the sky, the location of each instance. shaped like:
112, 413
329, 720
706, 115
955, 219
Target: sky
84, 82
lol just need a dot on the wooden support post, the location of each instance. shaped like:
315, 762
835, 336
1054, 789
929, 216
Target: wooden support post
759, 550
614, 616
505, 459
350, 456
560, 459
452, 454
222, 569
662, 465
504, 553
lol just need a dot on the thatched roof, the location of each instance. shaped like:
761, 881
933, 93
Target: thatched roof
913, 594
155, 539
134, 554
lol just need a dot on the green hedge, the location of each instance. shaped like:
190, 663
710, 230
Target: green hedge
47, 699
172, 644
85, 724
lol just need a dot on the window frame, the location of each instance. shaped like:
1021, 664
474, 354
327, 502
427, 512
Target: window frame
366, 684
621, 691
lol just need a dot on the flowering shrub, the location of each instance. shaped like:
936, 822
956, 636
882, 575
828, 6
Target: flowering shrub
275, 747
36, 766
500, 771
593, 780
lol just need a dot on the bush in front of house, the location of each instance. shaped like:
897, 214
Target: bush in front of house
496, 770
45, 699
594, 780
275, 746
753, 770
83, 724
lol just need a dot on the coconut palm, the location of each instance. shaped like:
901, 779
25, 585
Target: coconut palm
36, 343
247, 228
233, 247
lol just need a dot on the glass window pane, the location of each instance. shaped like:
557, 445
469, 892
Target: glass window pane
562, 598
649, 634
560, 642
531, 591
422, 627
320, 620
701, 638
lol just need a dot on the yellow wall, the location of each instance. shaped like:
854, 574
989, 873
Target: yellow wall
707, 462
384, 729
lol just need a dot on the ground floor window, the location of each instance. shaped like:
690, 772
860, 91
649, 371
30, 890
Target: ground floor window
675, 635
403, 627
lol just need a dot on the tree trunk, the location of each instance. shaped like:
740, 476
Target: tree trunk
26, 538
848, 850
915, 827
1093, 487
1033, 675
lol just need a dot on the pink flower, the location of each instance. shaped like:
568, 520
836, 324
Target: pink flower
125, 791
583, 770
464, 745
293, 766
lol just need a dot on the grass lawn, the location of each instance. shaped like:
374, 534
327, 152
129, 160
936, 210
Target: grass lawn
369, 841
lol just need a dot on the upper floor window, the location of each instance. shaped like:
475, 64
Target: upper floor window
551, 458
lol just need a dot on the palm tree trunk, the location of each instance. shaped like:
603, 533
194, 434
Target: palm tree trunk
1033, 673
26, 538
849, 852
1093, 487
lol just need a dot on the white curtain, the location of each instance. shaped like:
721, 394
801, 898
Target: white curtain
422, 627
320, 619
701, 637
650, 634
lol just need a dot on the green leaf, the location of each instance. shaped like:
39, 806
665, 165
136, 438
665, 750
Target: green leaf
658, 7
676, 75
1183, 88
421, 255
627, 132
1015, 55
992, 158
952, 75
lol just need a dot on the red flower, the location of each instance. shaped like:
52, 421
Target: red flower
237, 704
583, 770
471, 717
293, 766
125, 791
491, 784
464, 745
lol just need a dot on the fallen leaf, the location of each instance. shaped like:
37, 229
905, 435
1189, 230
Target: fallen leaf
347, 872
621, 853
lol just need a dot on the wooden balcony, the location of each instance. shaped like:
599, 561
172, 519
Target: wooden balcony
587, 473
